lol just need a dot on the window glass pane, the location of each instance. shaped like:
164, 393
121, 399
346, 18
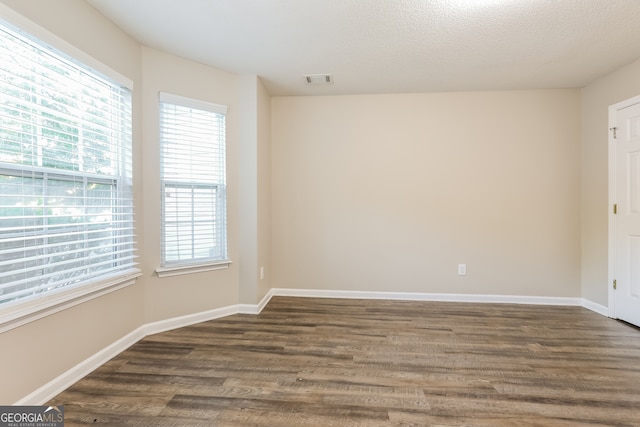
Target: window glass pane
66, 214
193, 179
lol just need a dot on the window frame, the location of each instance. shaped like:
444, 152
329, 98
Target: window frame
20, 312
194, 265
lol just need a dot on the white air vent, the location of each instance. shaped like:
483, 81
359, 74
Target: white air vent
318, 79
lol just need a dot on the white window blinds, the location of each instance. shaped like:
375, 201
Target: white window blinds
193, 181
66, 210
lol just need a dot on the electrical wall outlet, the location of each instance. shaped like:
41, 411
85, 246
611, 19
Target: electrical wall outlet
462, 269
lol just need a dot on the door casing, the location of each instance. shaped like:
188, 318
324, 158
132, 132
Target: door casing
613, 109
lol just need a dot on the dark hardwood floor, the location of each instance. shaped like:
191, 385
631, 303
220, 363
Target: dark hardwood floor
329, 362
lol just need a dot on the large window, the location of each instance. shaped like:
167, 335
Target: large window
66, 211
193, 181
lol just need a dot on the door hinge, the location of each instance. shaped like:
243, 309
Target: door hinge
615, 208
615, 284
615, 132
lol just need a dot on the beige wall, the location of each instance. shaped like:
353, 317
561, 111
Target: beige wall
596, 99
185, 294
38, 352
264, 190
248, 212
255, 189
391, 192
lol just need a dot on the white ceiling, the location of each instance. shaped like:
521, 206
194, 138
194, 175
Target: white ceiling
387, 46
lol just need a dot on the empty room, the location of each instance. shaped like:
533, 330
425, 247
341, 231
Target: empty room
349, 212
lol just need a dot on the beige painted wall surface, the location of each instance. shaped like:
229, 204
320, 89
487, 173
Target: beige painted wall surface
264, 190
255, 189
36, 353
596, 99
186, 294
248, 185
391, 192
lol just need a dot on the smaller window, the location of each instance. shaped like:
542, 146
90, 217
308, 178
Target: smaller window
193, 182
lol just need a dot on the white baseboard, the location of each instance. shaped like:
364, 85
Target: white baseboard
263, 303
256, 308
595, 307
189, 319
247, 309
62, 382
73, 375
416, 296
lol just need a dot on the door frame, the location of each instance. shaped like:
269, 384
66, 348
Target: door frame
613, 109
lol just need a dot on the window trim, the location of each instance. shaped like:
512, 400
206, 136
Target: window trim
178, 270
183, 101
21, 312
170, 269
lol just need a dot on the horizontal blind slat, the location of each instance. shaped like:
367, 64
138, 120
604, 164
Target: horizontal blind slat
57, 268
30, 290
50, 248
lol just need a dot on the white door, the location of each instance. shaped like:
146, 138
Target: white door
626, 142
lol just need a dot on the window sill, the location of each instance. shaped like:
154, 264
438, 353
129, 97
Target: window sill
23, 312
177, 270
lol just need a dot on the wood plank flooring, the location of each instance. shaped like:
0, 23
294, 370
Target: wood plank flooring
329, 362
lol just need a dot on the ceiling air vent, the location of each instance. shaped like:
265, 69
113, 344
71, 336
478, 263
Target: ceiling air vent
318, 79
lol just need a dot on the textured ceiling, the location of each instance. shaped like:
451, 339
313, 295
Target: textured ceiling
387, 46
